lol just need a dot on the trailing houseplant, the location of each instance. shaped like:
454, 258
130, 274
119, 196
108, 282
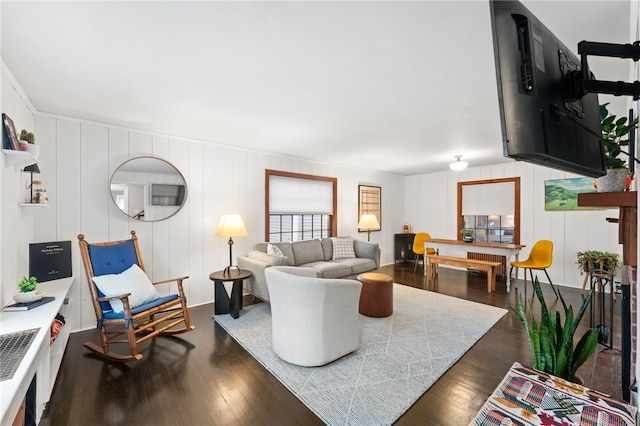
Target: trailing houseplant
551, 342
615, 135
592, 259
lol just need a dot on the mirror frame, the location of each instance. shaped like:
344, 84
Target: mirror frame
149, 157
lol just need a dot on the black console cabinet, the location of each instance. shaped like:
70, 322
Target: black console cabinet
403, 244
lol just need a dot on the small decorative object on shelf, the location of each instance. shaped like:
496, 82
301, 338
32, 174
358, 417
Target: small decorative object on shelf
467, 235
30, 139
39, 194
28, 293
406, 229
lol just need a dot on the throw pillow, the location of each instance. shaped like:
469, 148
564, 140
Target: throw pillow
274, 250
133, 281
343, 248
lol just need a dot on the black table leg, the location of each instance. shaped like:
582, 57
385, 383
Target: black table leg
226, 305
236, 298
221, 305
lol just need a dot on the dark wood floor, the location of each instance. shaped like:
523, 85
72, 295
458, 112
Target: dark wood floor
205, 377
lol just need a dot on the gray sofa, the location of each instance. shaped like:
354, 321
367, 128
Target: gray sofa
316, 254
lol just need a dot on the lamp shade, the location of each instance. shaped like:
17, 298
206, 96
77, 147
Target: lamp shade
33, 168
231, 226
368, 221
458, 164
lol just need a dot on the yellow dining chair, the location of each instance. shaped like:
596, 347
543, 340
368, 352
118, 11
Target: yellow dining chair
540, 258
418, 248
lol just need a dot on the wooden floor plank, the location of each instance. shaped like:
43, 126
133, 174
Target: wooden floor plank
205, 377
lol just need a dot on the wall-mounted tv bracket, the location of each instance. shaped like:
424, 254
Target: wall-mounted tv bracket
582, 80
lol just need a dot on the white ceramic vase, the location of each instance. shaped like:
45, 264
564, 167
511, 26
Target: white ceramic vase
614, 181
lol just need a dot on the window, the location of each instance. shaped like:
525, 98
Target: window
299, 206
491, 228
491, 208
295, 227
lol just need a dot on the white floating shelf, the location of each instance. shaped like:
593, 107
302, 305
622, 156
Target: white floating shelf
32, 206
18, 159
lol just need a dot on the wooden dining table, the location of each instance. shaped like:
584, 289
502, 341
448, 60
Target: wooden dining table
448, 247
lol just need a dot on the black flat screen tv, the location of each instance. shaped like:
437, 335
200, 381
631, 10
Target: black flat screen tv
167, 195
541, 121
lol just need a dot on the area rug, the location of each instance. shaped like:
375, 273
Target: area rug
529, 397
399, 358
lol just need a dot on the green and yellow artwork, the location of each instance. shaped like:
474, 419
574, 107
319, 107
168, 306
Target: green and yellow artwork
562, 194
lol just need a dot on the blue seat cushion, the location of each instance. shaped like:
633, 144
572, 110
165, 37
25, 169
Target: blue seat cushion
149, 305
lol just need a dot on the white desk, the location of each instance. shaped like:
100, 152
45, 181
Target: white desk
41, 358
449, 246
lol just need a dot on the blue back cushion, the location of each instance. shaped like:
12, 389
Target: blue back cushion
112, 259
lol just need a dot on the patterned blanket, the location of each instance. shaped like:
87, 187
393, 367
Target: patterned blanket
529, 397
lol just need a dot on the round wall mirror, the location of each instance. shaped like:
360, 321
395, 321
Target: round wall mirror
148, 189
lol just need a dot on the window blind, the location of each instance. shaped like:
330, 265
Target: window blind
304, 196
489, 199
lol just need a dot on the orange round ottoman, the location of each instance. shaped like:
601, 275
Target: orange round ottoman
376, 297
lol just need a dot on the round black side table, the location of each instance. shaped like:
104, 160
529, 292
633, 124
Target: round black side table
223, 303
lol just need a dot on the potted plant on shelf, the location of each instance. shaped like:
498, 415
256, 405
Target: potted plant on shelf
27, 287
467, 235
551, 342
589, 260
615, 134
30, 139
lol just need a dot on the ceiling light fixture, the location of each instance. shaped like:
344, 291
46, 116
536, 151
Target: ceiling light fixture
458, 164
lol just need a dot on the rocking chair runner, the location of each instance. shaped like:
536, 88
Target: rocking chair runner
134, 324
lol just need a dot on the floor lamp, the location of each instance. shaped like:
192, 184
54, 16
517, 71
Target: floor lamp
368, 222
231, 226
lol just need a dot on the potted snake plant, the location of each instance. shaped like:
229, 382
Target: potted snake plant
551, 342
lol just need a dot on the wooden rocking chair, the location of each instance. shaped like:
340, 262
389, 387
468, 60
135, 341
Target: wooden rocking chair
134, 324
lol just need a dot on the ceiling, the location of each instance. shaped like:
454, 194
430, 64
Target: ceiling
397, 87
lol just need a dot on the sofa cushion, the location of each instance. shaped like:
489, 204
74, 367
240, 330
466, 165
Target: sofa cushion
274, 250
330, 269
287, 250
343, 248
307, 251
357, 265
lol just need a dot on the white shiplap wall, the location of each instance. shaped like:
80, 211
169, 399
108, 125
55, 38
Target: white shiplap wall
16, 225
79, 157
431, 206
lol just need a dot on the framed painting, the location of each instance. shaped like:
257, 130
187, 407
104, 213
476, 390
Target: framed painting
562, 194
369, 201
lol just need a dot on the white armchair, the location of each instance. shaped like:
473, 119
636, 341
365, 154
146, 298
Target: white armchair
314, 320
